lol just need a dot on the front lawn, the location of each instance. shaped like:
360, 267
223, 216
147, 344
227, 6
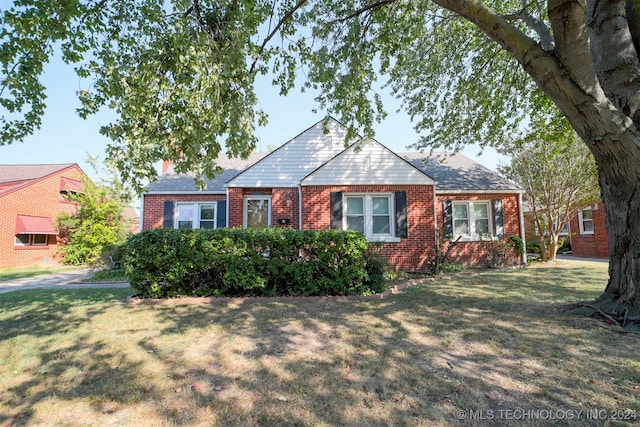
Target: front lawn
22, 272
488, 349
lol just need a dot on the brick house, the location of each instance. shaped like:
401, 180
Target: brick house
31, 196
400, 201
588, 233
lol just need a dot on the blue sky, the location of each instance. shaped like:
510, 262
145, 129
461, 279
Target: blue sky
66, 138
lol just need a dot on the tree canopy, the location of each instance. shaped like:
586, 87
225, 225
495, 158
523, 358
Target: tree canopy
558, 175
180, 74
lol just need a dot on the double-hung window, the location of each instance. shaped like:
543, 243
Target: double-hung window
471, 220
585, 220
369, 214
195, 215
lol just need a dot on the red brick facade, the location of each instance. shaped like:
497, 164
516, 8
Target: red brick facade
475, 253
153, 208
284, 205
594, 245
38, 198
411, 253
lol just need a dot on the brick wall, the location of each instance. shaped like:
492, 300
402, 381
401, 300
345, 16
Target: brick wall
284, 205
411, 253
594, 245
40, 198
475, 253
153, 209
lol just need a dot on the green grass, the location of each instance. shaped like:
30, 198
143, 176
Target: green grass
21, 272
495, 342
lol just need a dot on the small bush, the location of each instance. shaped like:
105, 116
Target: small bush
453, 268
163, 263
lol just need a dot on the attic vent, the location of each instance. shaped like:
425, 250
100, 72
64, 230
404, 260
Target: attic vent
329, 141
367, 163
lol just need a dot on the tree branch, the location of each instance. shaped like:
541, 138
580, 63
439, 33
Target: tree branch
361, 11
281, 22
614, 55
537, 25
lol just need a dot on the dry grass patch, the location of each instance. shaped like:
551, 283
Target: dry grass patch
491, 342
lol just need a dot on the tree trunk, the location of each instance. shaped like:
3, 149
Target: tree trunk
618, 158
553, 246
622, 294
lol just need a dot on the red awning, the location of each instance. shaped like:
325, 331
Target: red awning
35, 225
68, 184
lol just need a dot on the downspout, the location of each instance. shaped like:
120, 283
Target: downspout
227, 207
435, 217
141, 225
522, 233
299, 206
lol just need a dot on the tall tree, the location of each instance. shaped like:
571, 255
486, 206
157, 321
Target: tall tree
181, 76
558, 175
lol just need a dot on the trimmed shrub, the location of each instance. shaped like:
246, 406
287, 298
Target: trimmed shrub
164, 263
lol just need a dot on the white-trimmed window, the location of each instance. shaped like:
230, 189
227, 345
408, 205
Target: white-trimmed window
370, 214
195, 215
31, 240
472, 220
257, 212
585, 220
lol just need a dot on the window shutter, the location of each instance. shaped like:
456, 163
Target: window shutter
336, 210
447, 214
401, 214
221, 214
498, 219
167, 216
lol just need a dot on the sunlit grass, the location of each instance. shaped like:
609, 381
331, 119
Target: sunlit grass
21, 272
489, 342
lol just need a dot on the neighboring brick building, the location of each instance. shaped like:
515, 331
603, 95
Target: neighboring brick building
31, 196
314, 182
588, 233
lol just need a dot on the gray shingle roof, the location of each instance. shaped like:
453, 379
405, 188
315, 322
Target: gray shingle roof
453, 172
171, 182
13, 177
456, 172
9, 173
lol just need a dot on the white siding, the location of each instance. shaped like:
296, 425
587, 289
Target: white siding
372, 163
294, 160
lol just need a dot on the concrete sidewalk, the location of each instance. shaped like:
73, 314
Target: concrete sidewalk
69, 279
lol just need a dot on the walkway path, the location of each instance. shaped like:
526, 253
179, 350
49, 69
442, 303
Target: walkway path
68, 279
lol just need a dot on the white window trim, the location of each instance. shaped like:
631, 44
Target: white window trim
31, 242
472, 236
244, 208
196, 213
581, 222
368, 217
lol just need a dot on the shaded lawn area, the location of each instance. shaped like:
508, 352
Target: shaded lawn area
492, 346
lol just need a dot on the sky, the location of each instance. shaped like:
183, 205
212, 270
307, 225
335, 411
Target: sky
66, 138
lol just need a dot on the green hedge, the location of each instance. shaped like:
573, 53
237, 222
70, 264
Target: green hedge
164, 263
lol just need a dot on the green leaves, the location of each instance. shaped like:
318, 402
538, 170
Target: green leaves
164, 262
98, 223
180, 74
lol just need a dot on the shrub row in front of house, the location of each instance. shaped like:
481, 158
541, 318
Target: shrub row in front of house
165, 263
